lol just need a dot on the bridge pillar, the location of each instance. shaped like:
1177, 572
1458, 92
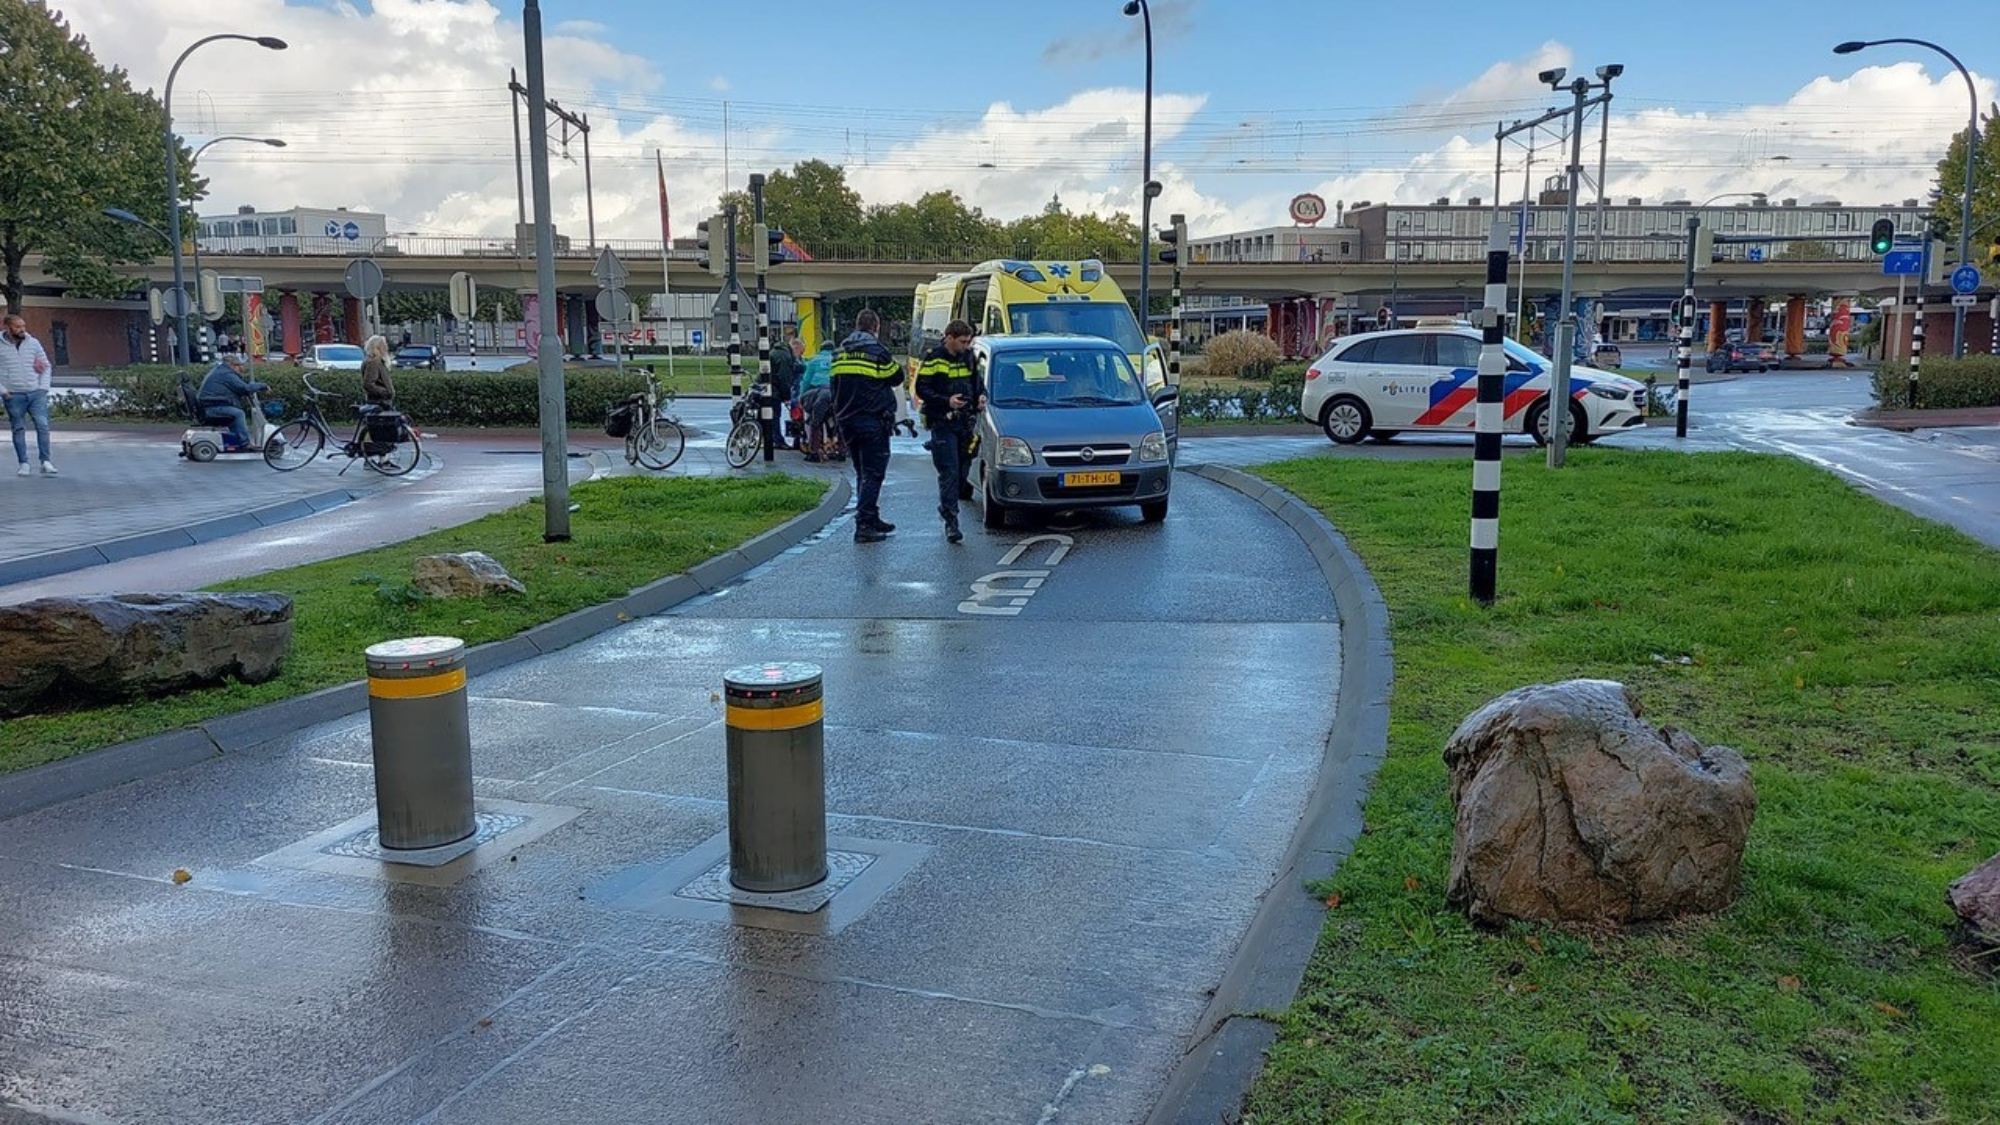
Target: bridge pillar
1274, 322
1588, 323
809, 326
594, 326
1753, 320
322, 318
531, 321
578, 343
1795, 326
1718, 323
351, 320
1839, 327
288, 322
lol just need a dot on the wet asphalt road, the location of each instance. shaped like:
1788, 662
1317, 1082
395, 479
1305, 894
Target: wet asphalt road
1095, 788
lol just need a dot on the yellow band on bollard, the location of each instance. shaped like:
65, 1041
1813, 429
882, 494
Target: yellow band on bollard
776, 718
417, 687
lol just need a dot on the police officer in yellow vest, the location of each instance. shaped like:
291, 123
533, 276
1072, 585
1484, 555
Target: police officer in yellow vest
952, 394
865, 377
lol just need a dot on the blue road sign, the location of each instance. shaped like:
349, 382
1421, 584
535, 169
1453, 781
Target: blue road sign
1909, 262
695, 337
1965, 279
1756, 253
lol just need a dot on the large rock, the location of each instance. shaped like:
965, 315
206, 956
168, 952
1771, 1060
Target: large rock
56, 651
1976, 898
473, 574
1572, 809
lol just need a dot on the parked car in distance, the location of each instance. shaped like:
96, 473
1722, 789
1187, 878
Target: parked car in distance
420, 355
1607, 355
1069, 424
333, 357
1742, 357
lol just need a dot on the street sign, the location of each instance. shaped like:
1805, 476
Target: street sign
696, 337
1965, 279
175, 303
241, 284
364, 278
609, 271
156, 310
1964, 300
614, 305
464, 295
1900, 262
208, 294
1756, 254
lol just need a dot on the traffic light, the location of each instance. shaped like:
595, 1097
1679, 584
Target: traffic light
708, 247
773, 241
1171, 239
1704, 248
1882, 236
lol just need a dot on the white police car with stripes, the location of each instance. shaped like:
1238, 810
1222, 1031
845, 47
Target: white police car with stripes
1380, 384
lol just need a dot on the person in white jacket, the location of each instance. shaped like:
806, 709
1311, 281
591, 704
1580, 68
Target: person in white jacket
24, 386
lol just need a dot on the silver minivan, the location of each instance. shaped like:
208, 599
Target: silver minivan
1069, 424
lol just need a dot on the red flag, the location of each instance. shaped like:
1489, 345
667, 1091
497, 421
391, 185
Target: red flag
667, 225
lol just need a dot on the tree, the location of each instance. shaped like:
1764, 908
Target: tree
1810, 250
1057, 235
938, 225
1948, 193
814, 205
75, 138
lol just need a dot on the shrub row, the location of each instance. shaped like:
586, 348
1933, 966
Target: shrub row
435, 398
1272, 399
1943, 383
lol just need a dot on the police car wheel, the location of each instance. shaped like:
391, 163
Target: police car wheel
1346, 420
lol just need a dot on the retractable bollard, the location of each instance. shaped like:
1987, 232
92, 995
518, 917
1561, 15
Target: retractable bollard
422, 741
777, 777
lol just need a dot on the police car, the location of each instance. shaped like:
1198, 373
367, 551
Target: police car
1383, 383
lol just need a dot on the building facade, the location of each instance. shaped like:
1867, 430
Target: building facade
296, 230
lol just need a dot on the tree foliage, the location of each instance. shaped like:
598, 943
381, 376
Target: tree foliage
75, 138
1949, 191
814, 204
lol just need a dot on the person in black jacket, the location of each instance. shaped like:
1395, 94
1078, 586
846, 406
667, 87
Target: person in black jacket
222, 392
952, 394
865, 377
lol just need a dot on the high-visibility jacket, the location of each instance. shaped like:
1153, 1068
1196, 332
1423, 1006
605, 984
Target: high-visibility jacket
865, 377
941, 375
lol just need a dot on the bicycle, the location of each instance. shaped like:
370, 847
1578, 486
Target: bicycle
652, 438
746, 432
383, 439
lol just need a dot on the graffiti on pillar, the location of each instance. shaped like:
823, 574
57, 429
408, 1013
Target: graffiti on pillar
531, 323
1838, 329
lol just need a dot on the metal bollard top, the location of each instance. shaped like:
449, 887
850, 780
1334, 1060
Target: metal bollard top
414, 656
773, 683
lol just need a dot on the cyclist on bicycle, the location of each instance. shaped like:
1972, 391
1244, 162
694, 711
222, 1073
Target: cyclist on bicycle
377, 389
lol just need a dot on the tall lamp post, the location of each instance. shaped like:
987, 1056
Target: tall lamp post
1564, 358
173, 175
1147, 188
1971, 154
196, 243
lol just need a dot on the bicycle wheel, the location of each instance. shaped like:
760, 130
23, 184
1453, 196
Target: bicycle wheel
399, 460
745, 441
293, 445
659, 444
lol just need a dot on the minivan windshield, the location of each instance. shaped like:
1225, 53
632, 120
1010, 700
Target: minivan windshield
342, 352
1107, 320
1062, 377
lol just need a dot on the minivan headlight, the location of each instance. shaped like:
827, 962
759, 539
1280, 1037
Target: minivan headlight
1014, 451
1153, 447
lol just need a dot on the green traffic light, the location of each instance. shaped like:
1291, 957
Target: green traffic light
1882, 236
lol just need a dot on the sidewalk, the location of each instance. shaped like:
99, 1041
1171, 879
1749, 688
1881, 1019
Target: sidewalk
1906, 421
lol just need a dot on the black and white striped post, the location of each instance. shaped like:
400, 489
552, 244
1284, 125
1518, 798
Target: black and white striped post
1177, 329
1916, 345
1684, 355
472, 341
1487, 418
735, 313
767, 417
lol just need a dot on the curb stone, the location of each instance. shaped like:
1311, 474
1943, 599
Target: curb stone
1214, 1076
47, 564
55, 782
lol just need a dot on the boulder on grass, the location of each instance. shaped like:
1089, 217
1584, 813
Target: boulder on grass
472, 574
1572, 809
57, 651
1976, 899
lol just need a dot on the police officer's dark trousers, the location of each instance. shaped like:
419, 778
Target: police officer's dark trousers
951, 452
867, 440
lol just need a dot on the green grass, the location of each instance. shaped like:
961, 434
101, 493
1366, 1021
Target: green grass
628, 532
1850, 650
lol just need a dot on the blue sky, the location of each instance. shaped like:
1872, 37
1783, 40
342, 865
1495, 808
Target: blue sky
1255, 99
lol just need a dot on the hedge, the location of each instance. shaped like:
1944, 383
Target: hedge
1272, 399
434, 398
1942, 383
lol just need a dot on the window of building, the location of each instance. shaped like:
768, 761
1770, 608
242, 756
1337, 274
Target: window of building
271, 226
247, 227
1346, 247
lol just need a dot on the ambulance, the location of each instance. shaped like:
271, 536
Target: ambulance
1012, 297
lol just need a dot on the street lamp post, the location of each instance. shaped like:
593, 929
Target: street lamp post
1396, 270
173, 175
1971, 154
1566, 327
1147, 188
200, 307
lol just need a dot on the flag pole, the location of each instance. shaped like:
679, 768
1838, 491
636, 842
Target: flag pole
666, 274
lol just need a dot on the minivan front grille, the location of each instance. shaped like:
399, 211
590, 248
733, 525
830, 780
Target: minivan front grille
1070, 456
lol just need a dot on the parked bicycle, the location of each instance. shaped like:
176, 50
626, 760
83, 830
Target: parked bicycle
383, 438
746, 430
653, 437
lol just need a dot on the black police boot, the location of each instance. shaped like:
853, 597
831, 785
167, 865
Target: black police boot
869, 535
882, 525
951, 532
